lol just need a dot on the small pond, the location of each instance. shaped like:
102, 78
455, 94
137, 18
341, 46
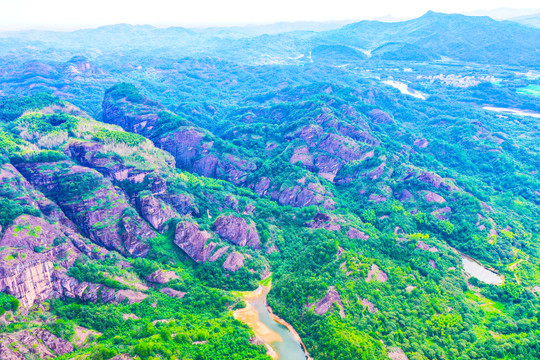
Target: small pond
477, 270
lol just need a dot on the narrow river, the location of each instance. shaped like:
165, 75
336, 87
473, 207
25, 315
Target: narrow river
281, 341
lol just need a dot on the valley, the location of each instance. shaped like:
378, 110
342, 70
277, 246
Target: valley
366, 190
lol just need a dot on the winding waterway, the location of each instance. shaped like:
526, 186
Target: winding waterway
281, 341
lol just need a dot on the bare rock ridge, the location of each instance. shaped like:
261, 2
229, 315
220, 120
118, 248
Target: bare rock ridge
190, 146
93, 204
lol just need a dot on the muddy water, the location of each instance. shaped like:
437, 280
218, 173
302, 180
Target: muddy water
477, 270
280, 341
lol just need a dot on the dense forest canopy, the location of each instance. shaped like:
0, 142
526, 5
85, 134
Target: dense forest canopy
149, 177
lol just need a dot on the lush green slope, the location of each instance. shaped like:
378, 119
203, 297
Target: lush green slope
129, 231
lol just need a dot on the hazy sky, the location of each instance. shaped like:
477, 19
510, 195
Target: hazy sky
69, 14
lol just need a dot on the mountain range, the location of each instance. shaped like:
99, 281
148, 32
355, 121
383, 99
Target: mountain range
378, 180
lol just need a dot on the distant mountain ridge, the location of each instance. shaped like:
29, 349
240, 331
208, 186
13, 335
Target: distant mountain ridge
528, 20
433, 36
459, 37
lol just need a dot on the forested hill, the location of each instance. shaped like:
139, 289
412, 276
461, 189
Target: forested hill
145, 182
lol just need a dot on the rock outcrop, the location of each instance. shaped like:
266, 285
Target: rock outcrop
322, 306
93, 204
325, 221
234, 261
123, 105
237, 231
369, 305
155, 211
173, 293
380, 117
375, 273
90, 154
354, 233
29, 280
433, 197
423, 246
192, 241
33, 343
162, 276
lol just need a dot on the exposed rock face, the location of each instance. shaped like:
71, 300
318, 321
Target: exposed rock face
192, 153
134, 231
309, 133
329, 204
29, 281
155, 212
249, 209
298, 196
90, 154
375, 273
92, 202
29, 248
183, 204
303, 156
405, 196
173, 293
421, 143
231, 202
380, 117
237, 231
377, 198
325, 221
26, 195
35, 342
332, 296
340, 146
130, 296
369, 305
219, 252
437, 181
234, 262
432, 197
184, 145
30, 233
189, 238
357, 234
423, 246
162, 276
441, 214
397, 354
138, 115
74, 289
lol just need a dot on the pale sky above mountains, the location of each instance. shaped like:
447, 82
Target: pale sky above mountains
76, 14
